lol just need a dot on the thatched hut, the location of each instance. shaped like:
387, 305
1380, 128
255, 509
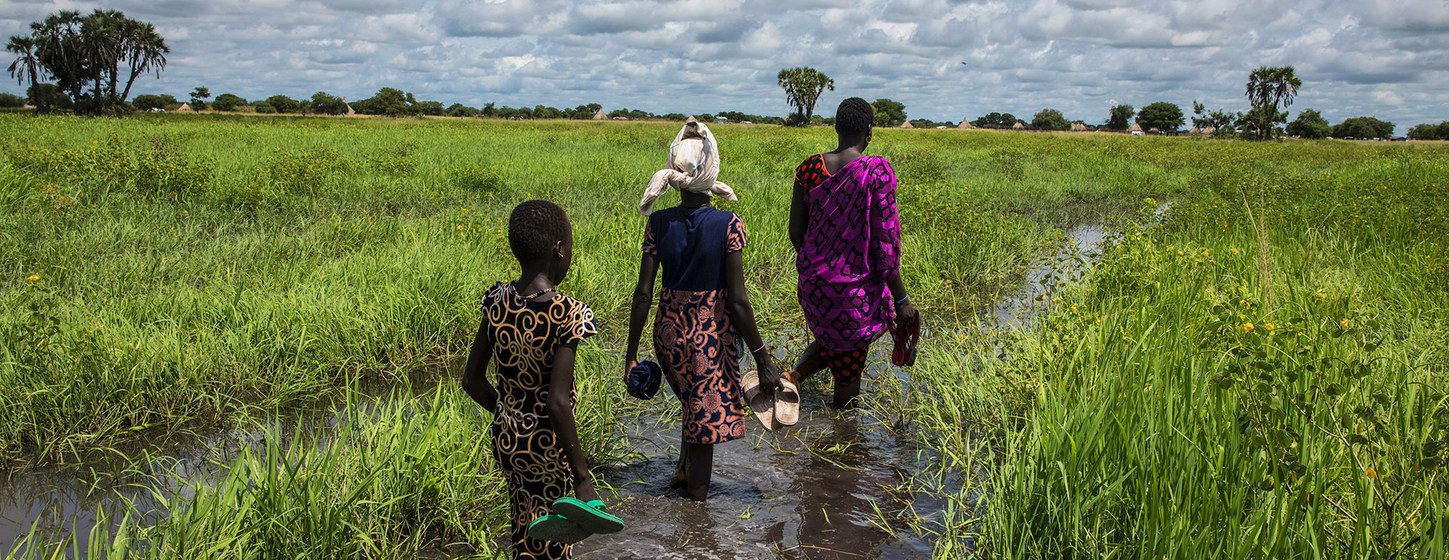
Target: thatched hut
1154, 130
350, 112
184, 107
1018, 126
907, 124
1134, 128
1208, 131
965, 125
600, 116
1194, 131
1079, 127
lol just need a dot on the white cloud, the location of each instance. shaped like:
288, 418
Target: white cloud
1387, 58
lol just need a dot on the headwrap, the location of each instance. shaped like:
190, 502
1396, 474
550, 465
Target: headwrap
693, 166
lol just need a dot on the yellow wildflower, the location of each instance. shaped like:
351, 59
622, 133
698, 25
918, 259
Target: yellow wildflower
1234, 250
1247, 327
1370, 472
1343, 324
33, 278
1268, 327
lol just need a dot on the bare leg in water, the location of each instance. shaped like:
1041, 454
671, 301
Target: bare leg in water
700, 465
810, 363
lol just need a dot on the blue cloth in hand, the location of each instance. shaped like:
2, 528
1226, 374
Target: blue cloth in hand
644, 379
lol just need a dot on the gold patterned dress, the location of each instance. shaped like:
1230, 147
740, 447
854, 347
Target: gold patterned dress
525, 335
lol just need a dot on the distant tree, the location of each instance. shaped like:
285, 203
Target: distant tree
49, 96
1004, 120
676, 117
1363, 128
803, 87
264, 108
199, 97
324, 104
461, 110
542, 112
888, 113
387, 101
228, 102
1050, 119
490, 109
284, 104
11, 101
87, 52
1428, 131
1310, 124
27, 66
149, 102
430, 108
1120, 117
584, 112
1163, 116
1267, 89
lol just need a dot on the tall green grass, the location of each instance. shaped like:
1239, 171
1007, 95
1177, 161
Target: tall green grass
1262, 375
197, 270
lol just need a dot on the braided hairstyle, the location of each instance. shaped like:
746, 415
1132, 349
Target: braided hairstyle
534, 227
854, 116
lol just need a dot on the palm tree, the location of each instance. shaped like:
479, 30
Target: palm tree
1267, 88
26, 65
59, 47
146, 51
802, 89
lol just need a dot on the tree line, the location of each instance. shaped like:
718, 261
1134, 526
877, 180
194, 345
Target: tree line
88, 57
89, 63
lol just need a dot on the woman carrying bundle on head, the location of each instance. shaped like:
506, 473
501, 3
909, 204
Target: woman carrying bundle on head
703, 308
847, 238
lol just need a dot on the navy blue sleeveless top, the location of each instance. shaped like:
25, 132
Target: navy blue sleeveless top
691, 244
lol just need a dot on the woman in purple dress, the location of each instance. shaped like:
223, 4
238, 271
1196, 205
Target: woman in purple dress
847, 238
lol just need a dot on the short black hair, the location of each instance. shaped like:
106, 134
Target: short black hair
853, 116
534, 227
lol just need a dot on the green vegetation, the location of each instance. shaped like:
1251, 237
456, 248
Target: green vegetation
182, 271
88, 56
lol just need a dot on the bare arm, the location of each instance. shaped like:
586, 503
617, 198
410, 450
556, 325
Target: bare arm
904, 309
561, 415
743, 315
639, 311
475, 374
799, 218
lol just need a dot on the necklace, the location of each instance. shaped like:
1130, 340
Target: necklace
538, 293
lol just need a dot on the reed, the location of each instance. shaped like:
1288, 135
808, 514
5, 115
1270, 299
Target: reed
195, 271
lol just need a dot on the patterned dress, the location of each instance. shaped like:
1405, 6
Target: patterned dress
852, 248
694, 338
525, 334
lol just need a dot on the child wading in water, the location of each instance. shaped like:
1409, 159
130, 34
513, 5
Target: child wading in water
532, 332
847, 238
703, 312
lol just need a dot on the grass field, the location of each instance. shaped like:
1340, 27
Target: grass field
1261, 374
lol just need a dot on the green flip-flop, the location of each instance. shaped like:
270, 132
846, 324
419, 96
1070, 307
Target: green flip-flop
557, 528
593, 516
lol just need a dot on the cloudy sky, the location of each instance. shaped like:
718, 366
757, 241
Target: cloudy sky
1383, 58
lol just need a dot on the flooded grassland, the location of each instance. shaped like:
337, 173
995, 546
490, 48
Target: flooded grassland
1255, 372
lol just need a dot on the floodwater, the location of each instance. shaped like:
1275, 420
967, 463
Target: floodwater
834, 486
828, 487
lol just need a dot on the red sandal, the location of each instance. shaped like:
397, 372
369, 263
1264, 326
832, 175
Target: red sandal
907, 336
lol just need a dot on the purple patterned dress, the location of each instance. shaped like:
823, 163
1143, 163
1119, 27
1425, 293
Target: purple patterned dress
852, 248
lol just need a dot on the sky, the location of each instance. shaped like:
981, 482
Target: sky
945, 60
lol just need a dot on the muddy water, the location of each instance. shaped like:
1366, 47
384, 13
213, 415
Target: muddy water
56, 501
830, 487
808, 491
